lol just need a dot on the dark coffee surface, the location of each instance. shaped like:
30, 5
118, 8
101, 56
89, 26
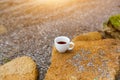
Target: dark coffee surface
61, 42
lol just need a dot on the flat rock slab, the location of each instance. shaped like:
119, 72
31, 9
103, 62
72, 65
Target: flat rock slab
22, 68
90, 60
91, 36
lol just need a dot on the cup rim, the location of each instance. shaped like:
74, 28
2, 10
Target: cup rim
55, 40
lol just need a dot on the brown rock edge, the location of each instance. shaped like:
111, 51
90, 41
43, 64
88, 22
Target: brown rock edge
22, 68
89, 60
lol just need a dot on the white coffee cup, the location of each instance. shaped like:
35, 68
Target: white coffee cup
62, 44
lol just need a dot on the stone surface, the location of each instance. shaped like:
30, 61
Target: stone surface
89, 60
2, 29
88, 36
22, 68
112, 27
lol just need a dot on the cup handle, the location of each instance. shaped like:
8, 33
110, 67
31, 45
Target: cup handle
70, 48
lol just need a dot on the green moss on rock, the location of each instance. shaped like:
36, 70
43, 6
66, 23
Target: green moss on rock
111, 28
115, 21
